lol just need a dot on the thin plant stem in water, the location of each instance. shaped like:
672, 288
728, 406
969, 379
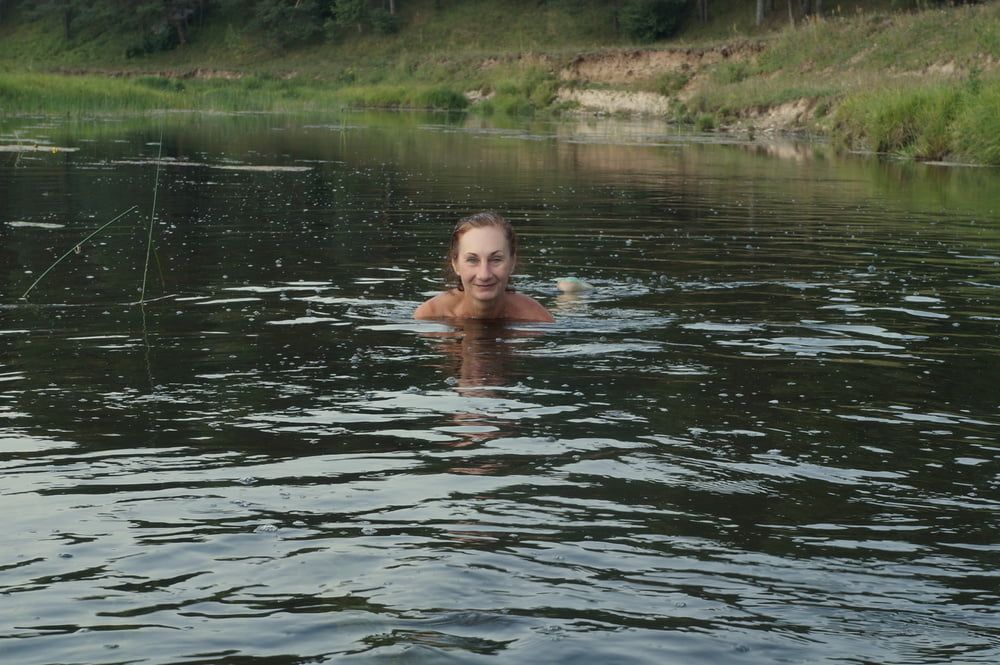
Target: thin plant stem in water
152, 215
73, 249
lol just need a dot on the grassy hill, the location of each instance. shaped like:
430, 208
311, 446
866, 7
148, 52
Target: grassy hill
918, 83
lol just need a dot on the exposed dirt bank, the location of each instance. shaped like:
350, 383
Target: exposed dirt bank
626, 66
616, 101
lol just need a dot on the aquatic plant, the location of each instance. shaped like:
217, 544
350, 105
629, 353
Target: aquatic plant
152, 216
75, 249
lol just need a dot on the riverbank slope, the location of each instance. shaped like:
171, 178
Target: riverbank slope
922, 84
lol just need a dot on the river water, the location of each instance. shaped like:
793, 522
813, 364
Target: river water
768, 435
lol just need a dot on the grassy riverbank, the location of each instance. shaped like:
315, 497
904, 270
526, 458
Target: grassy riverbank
923, 84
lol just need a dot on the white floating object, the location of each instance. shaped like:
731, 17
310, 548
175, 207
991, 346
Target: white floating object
572, 285
35, 147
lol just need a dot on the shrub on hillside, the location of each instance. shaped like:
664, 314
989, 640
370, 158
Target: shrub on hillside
649, 20
383, 23
285, 24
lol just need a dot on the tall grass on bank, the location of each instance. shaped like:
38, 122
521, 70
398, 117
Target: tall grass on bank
43, 93
947, 120
401, 96
54, 93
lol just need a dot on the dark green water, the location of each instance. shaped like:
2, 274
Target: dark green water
770, 435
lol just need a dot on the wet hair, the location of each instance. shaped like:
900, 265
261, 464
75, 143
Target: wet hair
479, 220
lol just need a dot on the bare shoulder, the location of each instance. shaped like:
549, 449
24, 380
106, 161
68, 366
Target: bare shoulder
440, 306
526, 308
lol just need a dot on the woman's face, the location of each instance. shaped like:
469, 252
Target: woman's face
484, 262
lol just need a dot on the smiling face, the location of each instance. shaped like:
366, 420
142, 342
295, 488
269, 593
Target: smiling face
483, 262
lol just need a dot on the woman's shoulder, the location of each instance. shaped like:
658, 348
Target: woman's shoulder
526, 308
440, 306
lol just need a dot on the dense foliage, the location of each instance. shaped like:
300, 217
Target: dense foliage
160, 25
649, 20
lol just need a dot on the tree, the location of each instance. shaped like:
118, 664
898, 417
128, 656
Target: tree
702, 7
179, 14
288, 22
812, 7
351, 12
763, 6
67, 12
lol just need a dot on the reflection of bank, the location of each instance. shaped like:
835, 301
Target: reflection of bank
479, 359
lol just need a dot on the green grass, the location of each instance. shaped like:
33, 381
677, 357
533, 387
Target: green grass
402, 96
976, 127
47, 93
516, 90
30, 92
951, 120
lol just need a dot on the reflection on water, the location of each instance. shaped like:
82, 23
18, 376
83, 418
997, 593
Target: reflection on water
767, 435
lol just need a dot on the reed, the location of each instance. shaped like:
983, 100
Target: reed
74, 248
152, 217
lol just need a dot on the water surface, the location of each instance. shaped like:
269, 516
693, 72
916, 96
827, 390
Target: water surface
768, 435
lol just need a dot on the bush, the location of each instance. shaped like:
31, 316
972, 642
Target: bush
285, 24
731, 72
383, 23
649, 20
161, 38
440, 98
671, 83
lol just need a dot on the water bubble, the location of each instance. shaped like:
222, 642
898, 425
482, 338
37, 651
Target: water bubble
266, 528
369, 530
247, 480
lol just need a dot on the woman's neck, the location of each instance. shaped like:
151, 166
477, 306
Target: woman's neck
476, 309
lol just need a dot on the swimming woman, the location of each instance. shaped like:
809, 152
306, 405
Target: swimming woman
483, 254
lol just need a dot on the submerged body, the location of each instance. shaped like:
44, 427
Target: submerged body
483, 256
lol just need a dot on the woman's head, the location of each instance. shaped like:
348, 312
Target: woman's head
483, 252
478, 221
